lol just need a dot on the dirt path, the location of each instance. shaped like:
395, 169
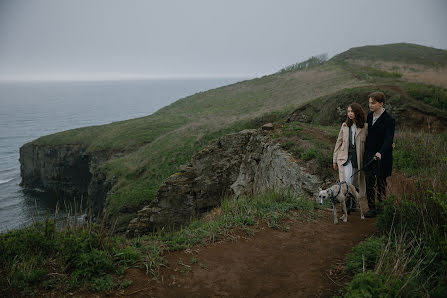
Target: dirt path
305, 261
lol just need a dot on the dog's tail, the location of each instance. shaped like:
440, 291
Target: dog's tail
353, 191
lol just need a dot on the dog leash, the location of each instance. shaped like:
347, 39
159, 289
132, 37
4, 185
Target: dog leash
373, 159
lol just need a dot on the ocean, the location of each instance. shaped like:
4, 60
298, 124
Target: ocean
34, 109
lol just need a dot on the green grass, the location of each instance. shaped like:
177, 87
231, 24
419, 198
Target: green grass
311, 144
368, 73
241, 213
402, 97
429, 94
42, 259
42, 255
421, 154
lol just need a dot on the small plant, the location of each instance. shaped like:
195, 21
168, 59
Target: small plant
125, 284
371, 284
194, 260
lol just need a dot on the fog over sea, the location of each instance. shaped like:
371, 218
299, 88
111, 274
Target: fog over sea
34, 109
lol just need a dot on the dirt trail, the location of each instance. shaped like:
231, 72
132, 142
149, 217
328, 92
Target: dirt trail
305, 261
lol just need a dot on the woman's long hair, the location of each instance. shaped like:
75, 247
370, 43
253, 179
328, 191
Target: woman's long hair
359, 119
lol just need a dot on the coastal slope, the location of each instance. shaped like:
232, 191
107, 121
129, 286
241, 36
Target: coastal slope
120, 167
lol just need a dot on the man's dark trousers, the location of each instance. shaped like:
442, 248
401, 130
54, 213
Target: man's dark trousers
372, 181
379, 139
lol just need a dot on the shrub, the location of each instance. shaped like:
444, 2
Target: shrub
91, 264
305, 65
370, 284
366, 252
102, 284
402, 212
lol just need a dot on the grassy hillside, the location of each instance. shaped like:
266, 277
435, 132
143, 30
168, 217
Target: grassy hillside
152, 148
145, 151
398, 52
404, 100
411, 62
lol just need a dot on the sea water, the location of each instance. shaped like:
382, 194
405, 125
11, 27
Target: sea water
34, 109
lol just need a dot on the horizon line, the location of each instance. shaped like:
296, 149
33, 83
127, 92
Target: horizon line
106, 77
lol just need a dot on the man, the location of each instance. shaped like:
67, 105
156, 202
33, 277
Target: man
378, 146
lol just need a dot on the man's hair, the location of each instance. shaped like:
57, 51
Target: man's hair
359, 115
378, 96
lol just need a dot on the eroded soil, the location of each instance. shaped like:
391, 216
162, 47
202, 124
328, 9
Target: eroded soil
304, 261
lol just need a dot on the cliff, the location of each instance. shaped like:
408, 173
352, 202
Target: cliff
65, 170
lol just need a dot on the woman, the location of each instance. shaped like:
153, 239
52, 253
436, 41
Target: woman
349, 148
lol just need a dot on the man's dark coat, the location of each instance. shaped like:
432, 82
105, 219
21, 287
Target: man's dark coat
380, 139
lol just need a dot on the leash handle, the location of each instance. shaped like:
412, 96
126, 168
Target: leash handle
373, 159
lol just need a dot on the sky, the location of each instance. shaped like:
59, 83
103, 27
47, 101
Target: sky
136, 39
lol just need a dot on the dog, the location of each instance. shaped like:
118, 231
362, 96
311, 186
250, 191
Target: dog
338, 193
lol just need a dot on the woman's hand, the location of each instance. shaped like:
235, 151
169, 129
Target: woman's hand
335, 166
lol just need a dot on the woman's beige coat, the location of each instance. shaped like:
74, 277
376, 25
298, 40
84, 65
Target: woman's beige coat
341, 154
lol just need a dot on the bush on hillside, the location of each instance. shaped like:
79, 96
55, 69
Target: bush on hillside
74, 257
371, 284
365, 254
308, 64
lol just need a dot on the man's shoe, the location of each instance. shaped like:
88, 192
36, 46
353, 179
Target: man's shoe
371, 213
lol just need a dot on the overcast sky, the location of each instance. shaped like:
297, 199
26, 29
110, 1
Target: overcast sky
107, 39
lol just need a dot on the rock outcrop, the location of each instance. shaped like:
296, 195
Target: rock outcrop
237, 164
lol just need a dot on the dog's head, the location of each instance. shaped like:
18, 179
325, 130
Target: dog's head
322, 195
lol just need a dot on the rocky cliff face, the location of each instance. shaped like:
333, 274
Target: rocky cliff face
66, 170
236, 164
